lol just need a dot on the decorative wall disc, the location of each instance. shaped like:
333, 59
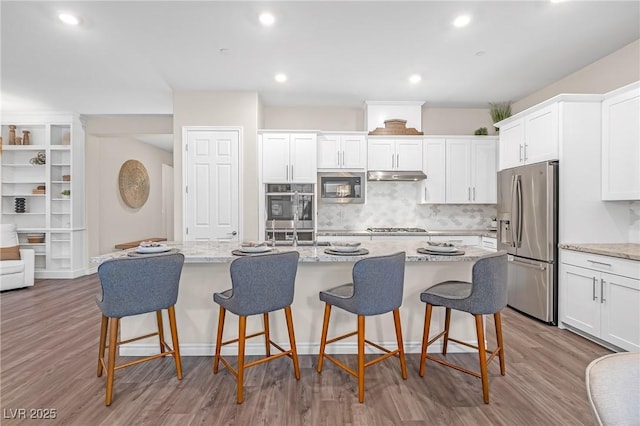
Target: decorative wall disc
134, 184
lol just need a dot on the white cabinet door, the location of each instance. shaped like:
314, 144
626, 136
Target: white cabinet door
302, 157
484, 180
409, 155
329, 151
580, 298
381, 154
621, 146
434, 166
511, 144
354, 152
275, 158
620, 299
541, 135
458, 173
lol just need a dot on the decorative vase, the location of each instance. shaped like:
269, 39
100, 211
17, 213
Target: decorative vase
12, 134
25, 137
20, 205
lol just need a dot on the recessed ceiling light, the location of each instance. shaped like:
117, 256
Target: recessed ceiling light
462, 21
267, 19
415, 78
280, 77
68, 18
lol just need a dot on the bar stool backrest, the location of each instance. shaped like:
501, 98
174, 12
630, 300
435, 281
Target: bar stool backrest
378, 283
132, 286
489, 284
263, 283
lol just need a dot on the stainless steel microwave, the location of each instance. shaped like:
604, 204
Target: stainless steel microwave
341, 187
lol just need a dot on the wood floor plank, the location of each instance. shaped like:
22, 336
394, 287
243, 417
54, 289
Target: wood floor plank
48, 354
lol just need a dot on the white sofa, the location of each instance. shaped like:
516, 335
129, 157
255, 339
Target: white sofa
15, 273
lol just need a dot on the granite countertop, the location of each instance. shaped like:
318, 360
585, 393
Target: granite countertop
452, 232
220, 252
629, 251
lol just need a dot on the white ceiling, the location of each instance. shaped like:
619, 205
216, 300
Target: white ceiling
128, 57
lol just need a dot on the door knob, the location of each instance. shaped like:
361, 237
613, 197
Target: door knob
232, 233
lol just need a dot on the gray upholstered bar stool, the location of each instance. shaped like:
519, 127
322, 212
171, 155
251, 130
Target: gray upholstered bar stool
485, 294
259, 285
133, 286
376, 289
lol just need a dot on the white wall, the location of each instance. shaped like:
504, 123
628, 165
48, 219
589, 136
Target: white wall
109, 143
618, 69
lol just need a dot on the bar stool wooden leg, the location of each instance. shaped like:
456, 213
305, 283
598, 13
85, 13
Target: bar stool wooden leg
361, 358
174, 339
267, 342
425, 338
403, 364
483, 358
447, 322
498, 321
323, 338
292, 342
216, 358
160, 330
104, 325
111, 363
242, 329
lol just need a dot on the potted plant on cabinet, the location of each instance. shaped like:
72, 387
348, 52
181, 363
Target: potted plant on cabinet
65, 193
499, 111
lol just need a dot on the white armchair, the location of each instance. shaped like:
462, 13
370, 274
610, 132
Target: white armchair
16, 265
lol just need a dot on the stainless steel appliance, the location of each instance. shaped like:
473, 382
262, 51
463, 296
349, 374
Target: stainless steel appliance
528, 231
341, 187
290, 212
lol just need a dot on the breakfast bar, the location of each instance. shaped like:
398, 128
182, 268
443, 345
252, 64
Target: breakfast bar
206, 271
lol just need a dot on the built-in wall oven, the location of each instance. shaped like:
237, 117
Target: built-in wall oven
290, 212
341, 187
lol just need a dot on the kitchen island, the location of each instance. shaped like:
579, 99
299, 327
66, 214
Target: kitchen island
206, 271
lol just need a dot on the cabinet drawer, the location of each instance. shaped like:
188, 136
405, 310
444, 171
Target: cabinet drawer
489, 243
596, 262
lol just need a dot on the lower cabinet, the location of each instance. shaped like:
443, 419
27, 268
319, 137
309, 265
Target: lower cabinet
600, 296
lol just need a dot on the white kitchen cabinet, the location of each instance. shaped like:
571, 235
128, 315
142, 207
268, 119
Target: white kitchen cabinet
458, 240
531, 138
342, 151
289, 157
471, 171
394, 154
489, 243
599, 296
621, 144
49, 211
434, 166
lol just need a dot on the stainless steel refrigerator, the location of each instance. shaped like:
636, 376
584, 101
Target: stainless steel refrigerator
528, 231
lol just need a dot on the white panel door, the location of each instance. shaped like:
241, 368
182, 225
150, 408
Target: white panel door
620, 299
580, 298
329, 153
511, 145
434, 168
275, 158
302, 155
354, 152
484, 179
458, 171
542, 134
212, 198
409, 155
381, 154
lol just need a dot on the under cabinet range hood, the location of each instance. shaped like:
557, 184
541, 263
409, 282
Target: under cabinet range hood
397, 176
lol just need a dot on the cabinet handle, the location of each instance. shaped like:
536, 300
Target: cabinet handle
602, 281
594, 289
397, 161
338, 158
468, 193
292, 172
599, 263
425, 193
520, 152
474, 193
525, 152
287, 169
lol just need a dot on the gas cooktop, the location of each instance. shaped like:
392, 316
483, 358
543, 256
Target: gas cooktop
396, 230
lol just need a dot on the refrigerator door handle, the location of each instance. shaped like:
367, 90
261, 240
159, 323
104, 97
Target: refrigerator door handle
536, 265
513, 212
519, 201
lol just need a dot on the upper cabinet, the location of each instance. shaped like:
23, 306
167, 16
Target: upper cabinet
621, 144
42, 189
460, 170
389, 154
530, 138
342, 151
289, 157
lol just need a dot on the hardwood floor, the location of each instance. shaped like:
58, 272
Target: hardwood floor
49, 342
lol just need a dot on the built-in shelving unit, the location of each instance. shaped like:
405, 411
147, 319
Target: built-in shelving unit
48, 211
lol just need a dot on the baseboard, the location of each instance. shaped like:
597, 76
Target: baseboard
206, 349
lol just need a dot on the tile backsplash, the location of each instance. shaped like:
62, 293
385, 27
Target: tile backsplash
395, 204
